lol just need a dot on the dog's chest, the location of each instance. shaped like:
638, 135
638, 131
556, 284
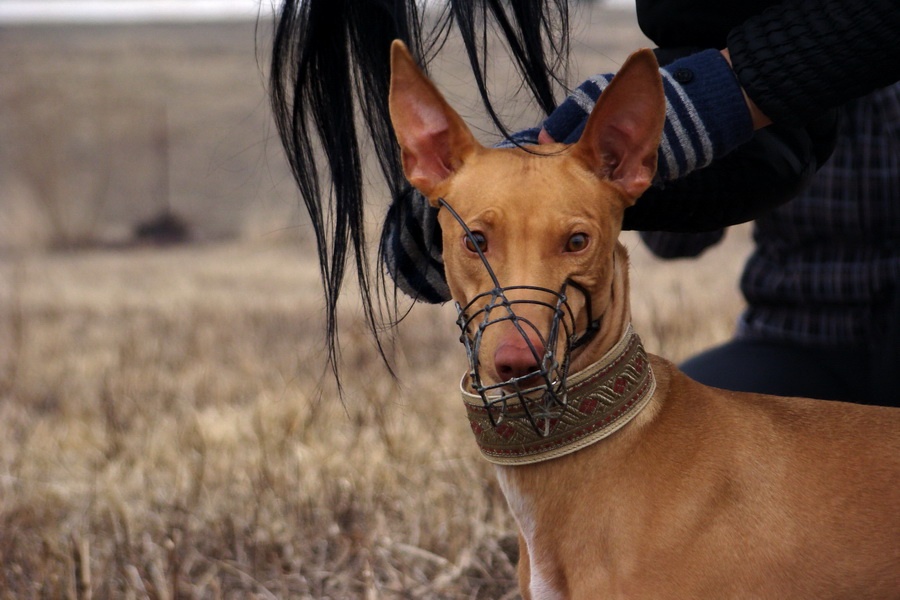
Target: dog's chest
541, 585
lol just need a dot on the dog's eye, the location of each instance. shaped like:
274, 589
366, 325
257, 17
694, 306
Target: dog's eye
577, 242
475, 242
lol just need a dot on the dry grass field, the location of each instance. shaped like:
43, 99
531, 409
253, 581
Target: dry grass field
167, 426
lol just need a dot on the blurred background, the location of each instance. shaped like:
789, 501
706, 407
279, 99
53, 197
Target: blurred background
168, 426
119, 116
144, 120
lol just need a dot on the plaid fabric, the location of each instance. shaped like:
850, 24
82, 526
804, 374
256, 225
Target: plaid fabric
826, 268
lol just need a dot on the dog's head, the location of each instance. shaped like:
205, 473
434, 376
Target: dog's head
546, 220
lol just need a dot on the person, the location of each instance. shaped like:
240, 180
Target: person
789, 63
822, 284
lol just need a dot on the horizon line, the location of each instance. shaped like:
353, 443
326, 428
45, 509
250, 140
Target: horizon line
30, 12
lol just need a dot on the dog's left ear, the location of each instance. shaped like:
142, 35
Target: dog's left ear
434, 140
621, 138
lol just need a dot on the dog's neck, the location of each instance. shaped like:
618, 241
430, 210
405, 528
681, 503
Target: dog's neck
616, 313
612, 384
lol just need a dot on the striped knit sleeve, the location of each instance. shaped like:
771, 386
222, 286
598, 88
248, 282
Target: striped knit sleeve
706, 115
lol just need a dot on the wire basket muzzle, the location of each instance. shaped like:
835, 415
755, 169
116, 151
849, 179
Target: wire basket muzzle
540, 393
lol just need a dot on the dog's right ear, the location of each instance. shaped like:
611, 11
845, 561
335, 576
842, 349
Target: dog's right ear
434, 140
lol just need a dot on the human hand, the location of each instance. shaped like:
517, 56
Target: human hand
707, 115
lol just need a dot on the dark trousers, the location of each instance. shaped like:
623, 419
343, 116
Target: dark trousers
783, 369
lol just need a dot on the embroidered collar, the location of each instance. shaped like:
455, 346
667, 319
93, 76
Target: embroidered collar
600, 400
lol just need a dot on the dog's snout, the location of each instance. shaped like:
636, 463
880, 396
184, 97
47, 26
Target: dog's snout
518, 358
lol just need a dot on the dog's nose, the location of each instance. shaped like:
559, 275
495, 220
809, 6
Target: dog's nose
517, 359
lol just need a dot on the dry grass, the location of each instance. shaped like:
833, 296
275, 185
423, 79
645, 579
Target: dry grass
159, 411
166, 430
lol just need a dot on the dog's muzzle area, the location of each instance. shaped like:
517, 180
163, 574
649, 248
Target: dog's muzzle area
541, 391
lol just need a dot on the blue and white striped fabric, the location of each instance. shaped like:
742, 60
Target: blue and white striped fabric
706, 114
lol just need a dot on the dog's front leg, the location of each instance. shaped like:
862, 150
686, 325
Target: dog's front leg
524, 569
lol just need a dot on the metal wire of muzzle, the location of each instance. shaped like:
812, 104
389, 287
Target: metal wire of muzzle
541, 392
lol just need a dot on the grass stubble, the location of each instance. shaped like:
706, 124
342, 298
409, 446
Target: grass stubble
166, 430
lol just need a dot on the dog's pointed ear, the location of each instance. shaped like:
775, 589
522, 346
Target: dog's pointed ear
434, 140
621, 138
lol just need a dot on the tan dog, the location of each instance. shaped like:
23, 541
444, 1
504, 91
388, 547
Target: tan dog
636, 482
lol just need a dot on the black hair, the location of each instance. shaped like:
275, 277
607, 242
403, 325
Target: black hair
331, 63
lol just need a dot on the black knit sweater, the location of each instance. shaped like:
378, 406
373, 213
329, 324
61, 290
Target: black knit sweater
794, 58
